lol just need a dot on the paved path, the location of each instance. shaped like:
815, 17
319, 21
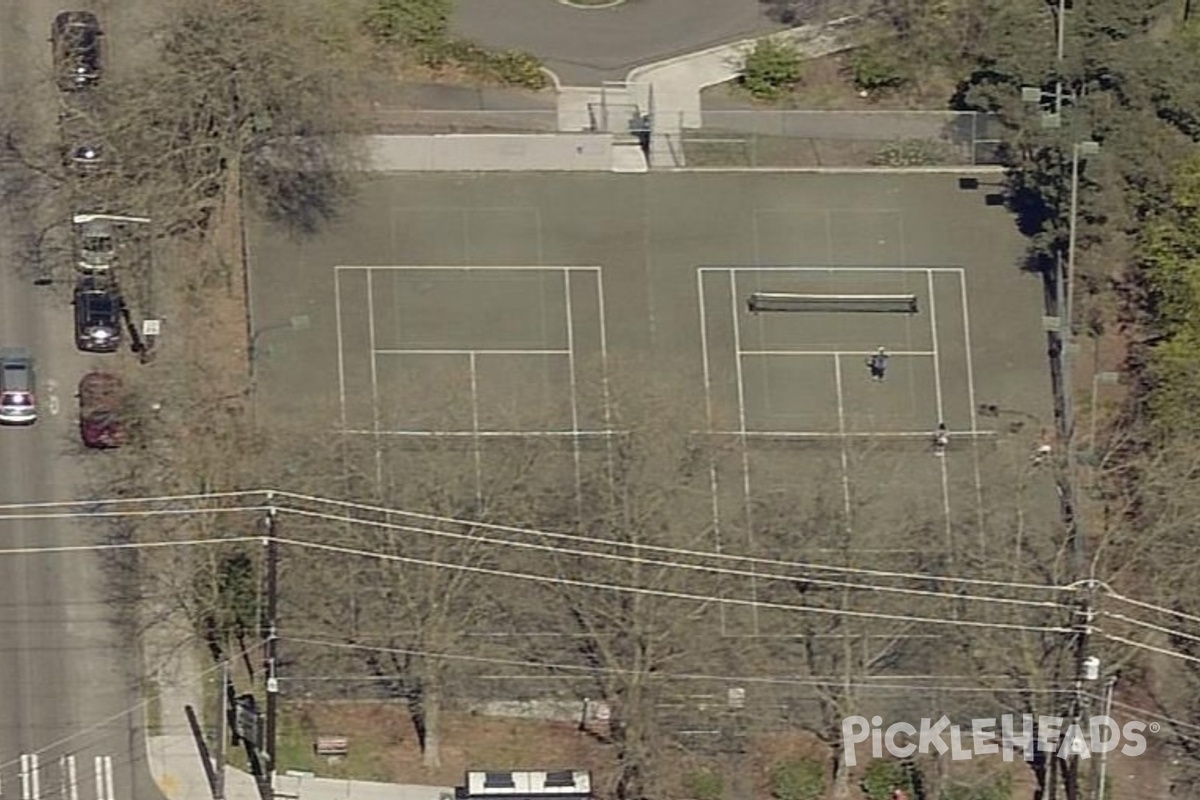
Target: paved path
179, 675
585, 47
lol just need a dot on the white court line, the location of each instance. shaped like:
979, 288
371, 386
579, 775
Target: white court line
841, 409
472, 353
962, 286
835, 353
845, 434
490, 434
475, 432
865, 268
604, 373
467, 268
72, 778
337, 311
537, 232
937, 366
574, 394
708, 414
374, 379
937, 384
741, 393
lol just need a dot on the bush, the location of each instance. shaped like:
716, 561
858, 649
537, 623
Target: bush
771, 69
874, 70
882, 777
908, 153
995, 788
704, 784
798, 780
413, 22
515, 68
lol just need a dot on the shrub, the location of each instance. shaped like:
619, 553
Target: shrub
994, 788
704, 784
798, 780
771, 68
874, 70
882, 777
413, 22
515, 68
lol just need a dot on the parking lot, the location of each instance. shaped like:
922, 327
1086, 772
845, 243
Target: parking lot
484, 308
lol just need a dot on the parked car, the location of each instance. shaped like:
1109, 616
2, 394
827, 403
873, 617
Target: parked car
75, 39
18, 399
100, 398
97, 245
97, 315
81, 145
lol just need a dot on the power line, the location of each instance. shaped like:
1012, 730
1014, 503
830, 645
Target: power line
170, 498
673, 595
681, 566
1151, 648
94, 548
1149, 606
923, 577
1151, 626
884, 682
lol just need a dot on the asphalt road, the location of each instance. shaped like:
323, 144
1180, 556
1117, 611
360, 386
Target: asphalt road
67, 670
585, 47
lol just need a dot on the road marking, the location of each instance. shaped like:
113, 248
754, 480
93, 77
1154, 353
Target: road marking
52, 392
30, 789
106, 791
70, 781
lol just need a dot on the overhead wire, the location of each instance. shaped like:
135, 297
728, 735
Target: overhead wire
664, 593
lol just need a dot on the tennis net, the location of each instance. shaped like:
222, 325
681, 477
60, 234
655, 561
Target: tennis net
900, 441
862, 303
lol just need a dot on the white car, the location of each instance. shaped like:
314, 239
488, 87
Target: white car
18, 405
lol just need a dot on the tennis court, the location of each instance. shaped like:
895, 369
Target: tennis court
497, 308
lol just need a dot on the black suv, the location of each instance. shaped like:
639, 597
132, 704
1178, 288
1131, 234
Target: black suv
75, 37
97, 315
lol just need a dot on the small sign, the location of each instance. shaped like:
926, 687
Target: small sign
151, 327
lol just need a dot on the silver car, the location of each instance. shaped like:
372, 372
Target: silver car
18, 403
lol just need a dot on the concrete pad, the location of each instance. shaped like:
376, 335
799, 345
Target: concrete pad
490, 153
629, 158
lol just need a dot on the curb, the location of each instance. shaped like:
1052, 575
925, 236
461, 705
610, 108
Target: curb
634, 75
983, 169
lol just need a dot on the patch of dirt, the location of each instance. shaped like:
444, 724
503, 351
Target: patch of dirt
383, 735
827, 86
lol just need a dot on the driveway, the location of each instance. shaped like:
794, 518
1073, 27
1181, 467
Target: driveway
586, 47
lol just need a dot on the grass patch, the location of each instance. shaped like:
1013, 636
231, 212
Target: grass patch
367, 759
760, 150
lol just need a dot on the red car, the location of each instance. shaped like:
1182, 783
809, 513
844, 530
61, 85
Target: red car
100, 399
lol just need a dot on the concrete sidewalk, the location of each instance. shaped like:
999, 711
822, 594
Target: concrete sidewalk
180, 677
670, 89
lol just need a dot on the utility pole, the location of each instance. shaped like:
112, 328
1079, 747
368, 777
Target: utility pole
219, 788
270, 645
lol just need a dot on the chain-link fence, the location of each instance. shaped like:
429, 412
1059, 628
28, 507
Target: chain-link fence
784, 138
404, 121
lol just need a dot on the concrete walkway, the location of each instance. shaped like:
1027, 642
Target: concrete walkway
668, 92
